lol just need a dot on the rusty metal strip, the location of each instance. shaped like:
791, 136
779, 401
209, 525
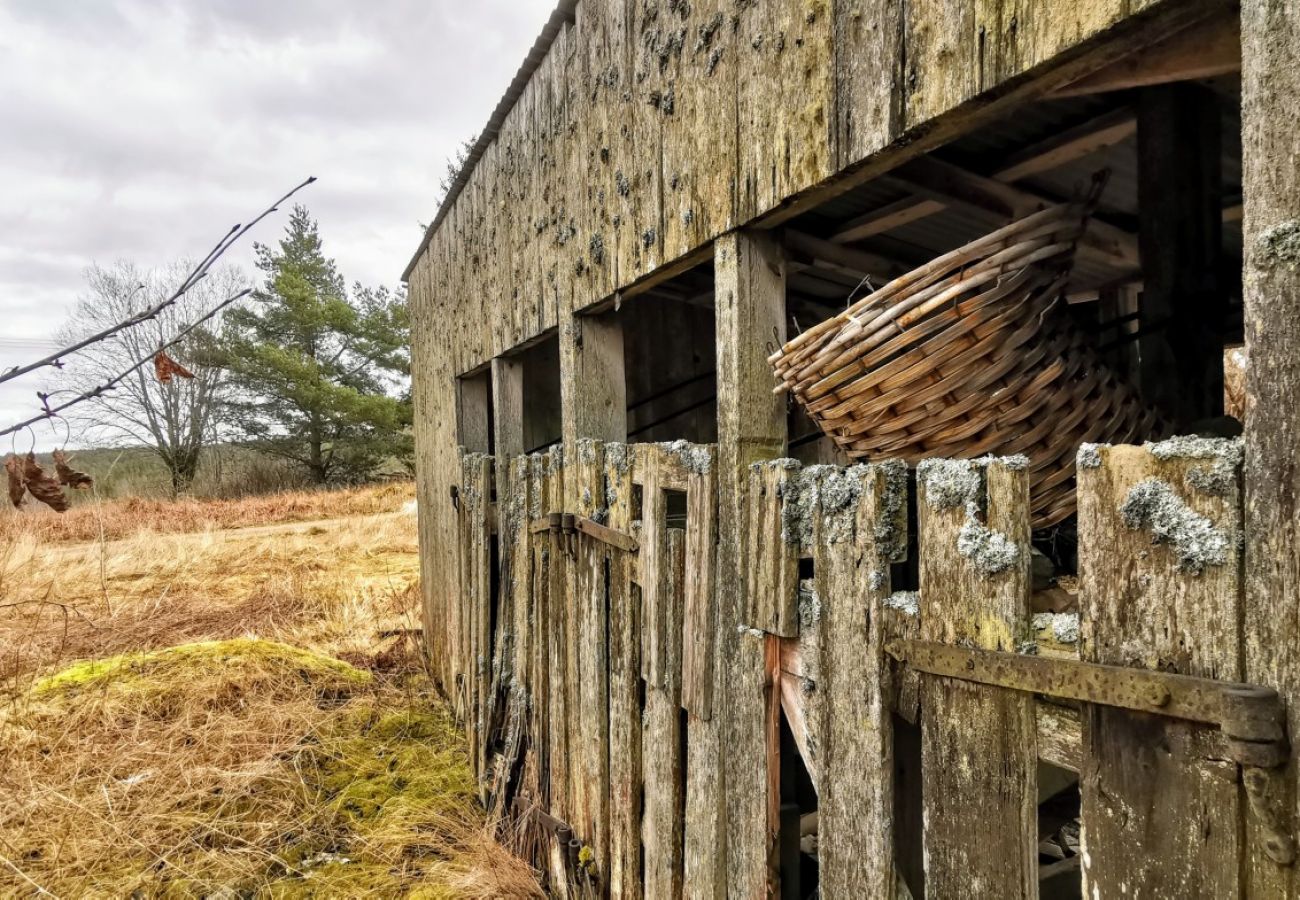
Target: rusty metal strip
1250, 716
607, 535
570, 524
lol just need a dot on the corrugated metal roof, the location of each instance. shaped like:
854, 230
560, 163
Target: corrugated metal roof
563, 15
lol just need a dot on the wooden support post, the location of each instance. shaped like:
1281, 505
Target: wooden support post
593, 390
1270, 93
1184, 304
750, 308
1160, 822
512, 517
979, 750
474, 413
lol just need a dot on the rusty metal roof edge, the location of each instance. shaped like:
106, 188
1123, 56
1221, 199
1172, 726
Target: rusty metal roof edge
565, 12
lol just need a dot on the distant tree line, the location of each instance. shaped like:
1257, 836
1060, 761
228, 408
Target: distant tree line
304, 370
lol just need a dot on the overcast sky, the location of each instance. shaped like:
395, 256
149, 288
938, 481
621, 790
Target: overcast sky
143, 129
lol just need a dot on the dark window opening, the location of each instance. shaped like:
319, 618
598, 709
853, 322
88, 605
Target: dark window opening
670, 361
797, 834
909, 851
1060, 876
675, 508
539, 374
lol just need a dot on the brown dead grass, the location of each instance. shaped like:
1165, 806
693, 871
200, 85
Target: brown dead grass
117, 519
253, 763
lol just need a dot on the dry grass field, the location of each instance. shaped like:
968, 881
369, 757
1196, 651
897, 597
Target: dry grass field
193, 709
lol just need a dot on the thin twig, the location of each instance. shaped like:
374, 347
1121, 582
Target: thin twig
196, 275
52, 411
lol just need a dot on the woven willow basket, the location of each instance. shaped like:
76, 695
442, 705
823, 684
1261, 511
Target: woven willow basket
969, 355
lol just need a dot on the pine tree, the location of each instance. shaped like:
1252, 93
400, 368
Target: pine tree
314, 369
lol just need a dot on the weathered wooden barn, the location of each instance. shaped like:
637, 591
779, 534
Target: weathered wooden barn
707, 636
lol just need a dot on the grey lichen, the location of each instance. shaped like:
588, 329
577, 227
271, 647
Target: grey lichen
877, 579
1089, 456
839, 491
949, 483
1225, 457
1155, 506
990, 552
694, 458
891, 527
810, 605
908, 602
1279, 246
1064, 627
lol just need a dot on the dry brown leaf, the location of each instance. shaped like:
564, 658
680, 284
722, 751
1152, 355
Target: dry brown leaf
165, 367
68, 475
17, 483
43, 486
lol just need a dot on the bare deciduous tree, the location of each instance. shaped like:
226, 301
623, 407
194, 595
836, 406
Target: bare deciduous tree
175, 419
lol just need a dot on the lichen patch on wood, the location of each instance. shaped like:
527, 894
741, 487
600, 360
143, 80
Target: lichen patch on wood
1154, 505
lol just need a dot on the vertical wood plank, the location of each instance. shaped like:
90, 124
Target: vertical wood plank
625, 784
590, 774
700, 618
860, 514
1270, 92
774, 539
785, 101
1159, 537
979, 745
868, 77
662, 742
699, 133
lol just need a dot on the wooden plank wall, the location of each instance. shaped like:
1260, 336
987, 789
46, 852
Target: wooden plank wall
591, 715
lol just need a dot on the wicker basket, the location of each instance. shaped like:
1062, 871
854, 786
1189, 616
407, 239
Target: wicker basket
970, 355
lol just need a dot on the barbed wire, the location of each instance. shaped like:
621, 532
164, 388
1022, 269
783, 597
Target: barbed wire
197, 274
52, 412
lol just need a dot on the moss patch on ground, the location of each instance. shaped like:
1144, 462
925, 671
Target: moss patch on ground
242, 768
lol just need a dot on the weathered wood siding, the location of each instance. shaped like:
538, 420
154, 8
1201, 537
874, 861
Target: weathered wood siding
599, 635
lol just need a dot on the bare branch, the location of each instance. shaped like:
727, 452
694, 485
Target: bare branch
199, 272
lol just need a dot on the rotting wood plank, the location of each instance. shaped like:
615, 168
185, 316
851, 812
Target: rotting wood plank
749, 308
858, 516
1160, 588
705, 828
774, 541
979, 753
624, 612
652, 565
663, 740
751, 806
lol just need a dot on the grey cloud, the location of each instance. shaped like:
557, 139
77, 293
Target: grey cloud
140, 129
